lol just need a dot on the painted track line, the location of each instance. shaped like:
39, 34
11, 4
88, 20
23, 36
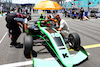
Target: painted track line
88, 46
91, 46
17, 64
3, 37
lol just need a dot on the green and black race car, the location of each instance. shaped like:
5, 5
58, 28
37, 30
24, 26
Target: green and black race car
54, 42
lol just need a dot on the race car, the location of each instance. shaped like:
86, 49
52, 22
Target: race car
54, 42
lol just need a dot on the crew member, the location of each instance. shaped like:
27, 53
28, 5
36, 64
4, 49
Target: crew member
13, 26
63, 26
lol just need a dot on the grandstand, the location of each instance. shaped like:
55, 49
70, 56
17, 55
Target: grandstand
83, 3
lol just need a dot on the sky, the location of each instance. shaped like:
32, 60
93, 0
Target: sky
68, 0
28, 1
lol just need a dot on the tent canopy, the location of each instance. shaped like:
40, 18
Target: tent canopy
23, 1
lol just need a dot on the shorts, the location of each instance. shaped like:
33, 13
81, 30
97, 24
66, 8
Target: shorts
65, 33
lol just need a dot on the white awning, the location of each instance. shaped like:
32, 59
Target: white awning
23, 1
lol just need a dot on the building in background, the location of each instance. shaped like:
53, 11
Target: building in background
88, 5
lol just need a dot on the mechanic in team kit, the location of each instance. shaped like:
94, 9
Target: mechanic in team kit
63, 27
14, 20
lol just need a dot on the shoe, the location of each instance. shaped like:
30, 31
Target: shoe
12, 44
18, 45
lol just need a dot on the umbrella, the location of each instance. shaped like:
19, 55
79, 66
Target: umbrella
47, 5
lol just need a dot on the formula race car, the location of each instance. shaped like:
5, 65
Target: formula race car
54, 42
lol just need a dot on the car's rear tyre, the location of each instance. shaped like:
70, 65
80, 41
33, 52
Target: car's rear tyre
74, 41
28, 44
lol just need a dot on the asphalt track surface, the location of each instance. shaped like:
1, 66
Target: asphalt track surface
88, 30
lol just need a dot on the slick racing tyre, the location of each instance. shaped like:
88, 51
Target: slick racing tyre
28, 44
74, 41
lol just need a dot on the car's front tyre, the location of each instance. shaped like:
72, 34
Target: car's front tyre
74, 41
28, 44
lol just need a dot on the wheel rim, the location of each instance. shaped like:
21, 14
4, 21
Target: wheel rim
71, 40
